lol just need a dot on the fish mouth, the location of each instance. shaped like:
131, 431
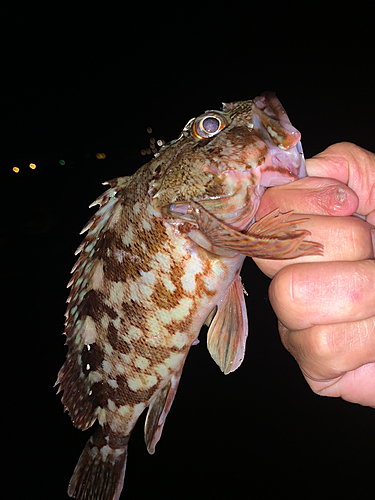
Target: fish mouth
285, 161
290, 165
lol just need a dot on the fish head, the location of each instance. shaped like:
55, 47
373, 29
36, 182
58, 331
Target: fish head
226, 159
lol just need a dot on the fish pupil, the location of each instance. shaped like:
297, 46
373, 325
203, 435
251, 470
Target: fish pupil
210, 125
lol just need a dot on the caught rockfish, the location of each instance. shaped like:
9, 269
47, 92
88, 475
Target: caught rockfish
163, 256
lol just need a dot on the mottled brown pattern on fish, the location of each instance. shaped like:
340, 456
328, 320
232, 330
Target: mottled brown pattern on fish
241, 137
160, 255
129, 267
122, 395
154, 353
94, 305
117, 341
92, 359
134, 313
200, 282
163, 298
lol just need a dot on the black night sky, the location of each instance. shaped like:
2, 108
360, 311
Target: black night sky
78, 82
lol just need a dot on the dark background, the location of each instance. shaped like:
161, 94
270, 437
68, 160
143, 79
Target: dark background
77, 81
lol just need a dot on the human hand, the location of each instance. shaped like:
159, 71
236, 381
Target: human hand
326, 304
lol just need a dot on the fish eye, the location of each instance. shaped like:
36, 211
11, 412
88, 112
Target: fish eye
208, 125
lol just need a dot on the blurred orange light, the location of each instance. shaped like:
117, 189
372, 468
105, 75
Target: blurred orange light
32, 166
16, 170
100, 156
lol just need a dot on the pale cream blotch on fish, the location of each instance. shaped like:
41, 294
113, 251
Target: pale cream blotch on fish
162, 256
192, 267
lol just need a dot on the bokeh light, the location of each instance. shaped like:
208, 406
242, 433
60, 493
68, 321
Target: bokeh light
153, 145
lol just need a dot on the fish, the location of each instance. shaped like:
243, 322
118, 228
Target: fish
162, 257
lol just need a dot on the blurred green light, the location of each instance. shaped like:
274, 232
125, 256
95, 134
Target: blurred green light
62, 162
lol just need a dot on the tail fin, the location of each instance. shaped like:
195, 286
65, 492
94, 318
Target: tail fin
100, 470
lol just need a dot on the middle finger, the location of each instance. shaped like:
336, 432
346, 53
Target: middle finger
344, 238
318, 294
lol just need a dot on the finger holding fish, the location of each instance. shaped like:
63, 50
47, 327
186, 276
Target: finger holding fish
344, 239
353, 166
310, 195
329, 206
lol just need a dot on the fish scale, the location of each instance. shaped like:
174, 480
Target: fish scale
161, 257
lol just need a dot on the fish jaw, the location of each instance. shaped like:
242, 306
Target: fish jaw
285, 160
271, 149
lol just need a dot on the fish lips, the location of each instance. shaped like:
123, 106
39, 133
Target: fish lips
284, 167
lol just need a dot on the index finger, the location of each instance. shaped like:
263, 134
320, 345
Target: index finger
353, 166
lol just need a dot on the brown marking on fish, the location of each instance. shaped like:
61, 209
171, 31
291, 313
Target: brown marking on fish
185, 227
92, 357
155, 239
200, 282
135, 314
107, 241
124, 395
182, 325
156, 354
163, 298
117, 341
93, 305
242, 136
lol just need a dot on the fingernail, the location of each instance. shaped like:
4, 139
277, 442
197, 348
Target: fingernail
372, 231
341, 195
343, 201
338, 201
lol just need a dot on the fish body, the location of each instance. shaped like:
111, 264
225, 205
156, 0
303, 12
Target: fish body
161, 257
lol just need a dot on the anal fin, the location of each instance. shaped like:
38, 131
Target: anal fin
158, 411
226, 337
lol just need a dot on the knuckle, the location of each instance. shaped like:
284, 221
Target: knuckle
323, 344
359, 240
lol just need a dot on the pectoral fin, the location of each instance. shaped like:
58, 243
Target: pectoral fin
226, 337
272, 237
